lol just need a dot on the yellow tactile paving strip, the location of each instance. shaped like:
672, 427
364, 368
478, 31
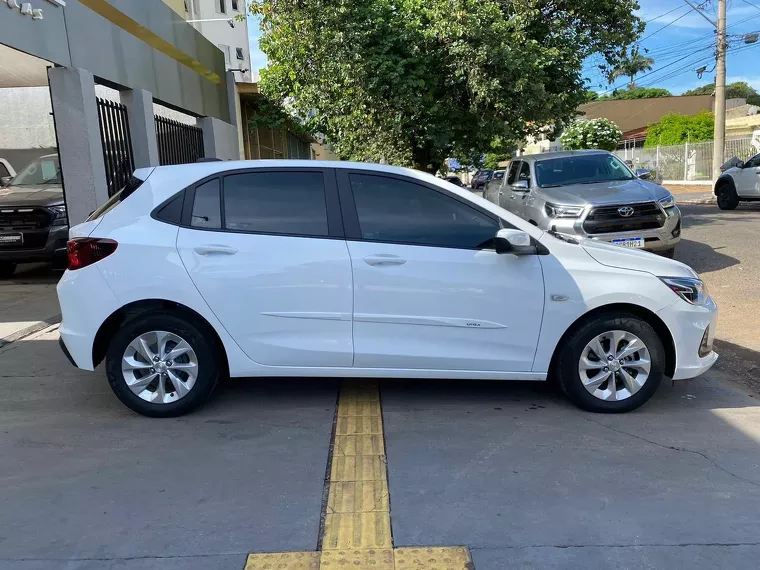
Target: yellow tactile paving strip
357, 524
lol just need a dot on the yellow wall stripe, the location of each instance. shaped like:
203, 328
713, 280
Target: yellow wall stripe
155, 41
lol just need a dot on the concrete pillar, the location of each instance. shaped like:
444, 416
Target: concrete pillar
75, 108
220, 139
142, 126
233, 99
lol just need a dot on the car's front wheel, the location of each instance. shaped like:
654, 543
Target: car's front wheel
7, 269
611, 363
161, 364
727, 197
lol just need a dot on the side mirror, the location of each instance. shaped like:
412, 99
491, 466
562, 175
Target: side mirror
520, 186
739, 164
516, 242
643, 173
5, 181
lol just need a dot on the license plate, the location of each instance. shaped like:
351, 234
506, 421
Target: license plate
11, 239
635, 242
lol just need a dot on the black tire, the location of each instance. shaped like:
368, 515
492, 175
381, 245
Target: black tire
7, 269
727, 197
669, 253
197, 334
572, 347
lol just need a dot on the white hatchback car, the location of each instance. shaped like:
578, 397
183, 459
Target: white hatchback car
305, 268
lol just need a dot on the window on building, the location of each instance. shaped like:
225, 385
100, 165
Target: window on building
226, 51
276, 202
400, 211
239, 53
235, 5
222, 6
206, 208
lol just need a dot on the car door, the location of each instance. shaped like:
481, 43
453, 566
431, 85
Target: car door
518, 195
747, 180
265, 249
430, 292
504, 193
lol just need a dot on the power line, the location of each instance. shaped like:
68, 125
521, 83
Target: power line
663, 15
689, 11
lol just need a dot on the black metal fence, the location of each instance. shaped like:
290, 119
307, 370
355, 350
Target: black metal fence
178, 143
117, 144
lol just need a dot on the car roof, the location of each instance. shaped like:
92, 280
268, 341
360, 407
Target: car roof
559, 154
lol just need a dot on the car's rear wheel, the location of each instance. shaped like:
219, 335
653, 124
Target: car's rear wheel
727, 197
7, 269
162, 365
612, 363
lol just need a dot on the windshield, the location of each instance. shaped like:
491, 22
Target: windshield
581, 169
44, 170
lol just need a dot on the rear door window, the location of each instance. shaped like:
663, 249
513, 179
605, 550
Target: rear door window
207, 208
287, 203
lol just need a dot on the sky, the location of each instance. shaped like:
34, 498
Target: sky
676, 37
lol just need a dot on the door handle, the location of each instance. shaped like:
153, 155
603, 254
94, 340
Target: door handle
215, 249
501, 193
384, 259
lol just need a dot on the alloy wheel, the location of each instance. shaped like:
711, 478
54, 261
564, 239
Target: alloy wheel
160, 367
614, 365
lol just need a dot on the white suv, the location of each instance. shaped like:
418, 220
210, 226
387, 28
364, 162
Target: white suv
305, 268
739, 183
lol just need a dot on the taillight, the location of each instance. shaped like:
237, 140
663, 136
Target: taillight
86, 251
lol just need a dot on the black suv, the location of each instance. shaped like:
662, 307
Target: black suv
33, 222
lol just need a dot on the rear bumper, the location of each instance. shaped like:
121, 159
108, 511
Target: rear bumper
66, 351
54, 250
86, 302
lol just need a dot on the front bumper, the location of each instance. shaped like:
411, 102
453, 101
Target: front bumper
658, 239
688, 323
54, 250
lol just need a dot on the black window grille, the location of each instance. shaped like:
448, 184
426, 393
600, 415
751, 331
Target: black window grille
178, 143
117, 144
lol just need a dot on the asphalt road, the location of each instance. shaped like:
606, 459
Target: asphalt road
510, 470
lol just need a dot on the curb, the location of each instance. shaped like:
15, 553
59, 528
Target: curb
31, 329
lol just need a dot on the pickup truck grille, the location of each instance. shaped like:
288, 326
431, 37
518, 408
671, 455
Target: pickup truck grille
608, 219
19, 219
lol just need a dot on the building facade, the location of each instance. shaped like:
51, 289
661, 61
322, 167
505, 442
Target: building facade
223, 23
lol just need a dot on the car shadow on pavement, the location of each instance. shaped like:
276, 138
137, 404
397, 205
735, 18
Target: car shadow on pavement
702, 257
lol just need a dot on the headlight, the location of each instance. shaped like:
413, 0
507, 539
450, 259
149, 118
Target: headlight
557, 211
690, 289
60, 216
668, 202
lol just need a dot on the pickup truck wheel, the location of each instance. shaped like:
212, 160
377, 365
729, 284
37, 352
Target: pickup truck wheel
6, 269
612, 363
727, 197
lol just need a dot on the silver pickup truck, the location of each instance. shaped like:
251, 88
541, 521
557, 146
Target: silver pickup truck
590, 194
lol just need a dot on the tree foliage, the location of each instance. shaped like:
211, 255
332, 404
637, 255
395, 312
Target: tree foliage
595, 133
631, 66
416, 81
736, 90
674, 129
636, 93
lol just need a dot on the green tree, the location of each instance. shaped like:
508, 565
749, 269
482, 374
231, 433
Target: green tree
631, 66
416, 81
674, 129
636, 93
736, 90
595, 133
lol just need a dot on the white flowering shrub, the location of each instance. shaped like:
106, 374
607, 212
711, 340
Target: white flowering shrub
594, 133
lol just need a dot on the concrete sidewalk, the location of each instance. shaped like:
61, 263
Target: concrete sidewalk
28, 302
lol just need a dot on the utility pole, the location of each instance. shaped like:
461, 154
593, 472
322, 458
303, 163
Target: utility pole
719, 134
